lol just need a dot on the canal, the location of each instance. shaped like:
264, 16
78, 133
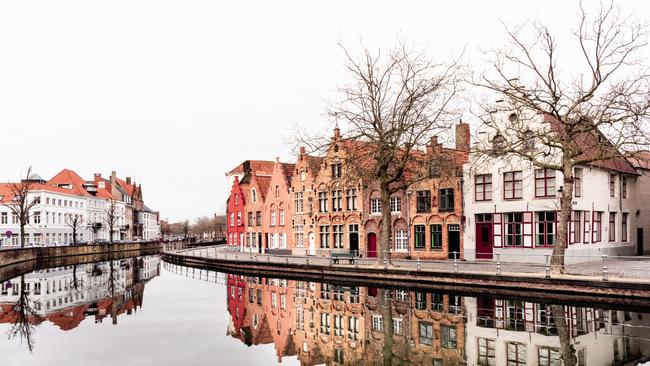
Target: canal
141, 311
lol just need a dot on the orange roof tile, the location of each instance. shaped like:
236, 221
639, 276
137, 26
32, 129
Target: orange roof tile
67, 176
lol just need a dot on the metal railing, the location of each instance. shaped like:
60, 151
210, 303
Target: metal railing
602, 266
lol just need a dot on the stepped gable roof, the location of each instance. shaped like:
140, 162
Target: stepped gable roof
288, 169
262, 166
588, 143
67, 176
641, 160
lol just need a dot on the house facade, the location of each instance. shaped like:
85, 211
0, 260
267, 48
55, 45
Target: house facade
278, 207
512, 206
303, 222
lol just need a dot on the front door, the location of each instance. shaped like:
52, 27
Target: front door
453, 238
639, 241
312, 244
354, 243
484, 241
259, 242
372, 245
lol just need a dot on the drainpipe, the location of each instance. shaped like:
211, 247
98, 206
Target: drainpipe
462, 215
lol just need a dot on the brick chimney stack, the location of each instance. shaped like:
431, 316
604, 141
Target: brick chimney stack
128, 180
337, 133
462, 136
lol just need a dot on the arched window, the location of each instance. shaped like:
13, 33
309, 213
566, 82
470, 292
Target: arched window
498, 144
254, 195
277, 192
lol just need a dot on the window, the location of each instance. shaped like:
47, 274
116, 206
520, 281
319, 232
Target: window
426, 333
596, 226
624, 187
37, 217
514, 225
395, 204
283, 240
545, 228
352, 199
300, 236
377, 323
338, 236
322, 201
258, 218
337, 200
624, 227
587, 228
273, 217
299, 203
515, 354
548, 357
398, 328
419, 236
325, 323
277, 192
436, 236
336, 170
4, 218
612, 226
544, 183
281, 216
353, 328
486, 353
612, 185
401, 241
483, 187
375, 206
423, 201
577, 182
512, 185
338, 325
498, 143
448, 336
576, 221
254, 195
401, 295
446, 198
250, 219
238, 218
324, 236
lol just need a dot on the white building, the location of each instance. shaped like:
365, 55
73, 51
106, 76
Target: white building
50, 221
512, 207
150, 224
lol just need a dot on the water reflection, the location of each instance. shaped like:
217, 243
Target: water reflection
346, 325
65, 296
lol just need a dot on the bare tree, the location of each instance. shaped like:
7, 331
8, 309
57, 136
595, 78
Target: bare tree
559, 120
74, 222
19, 203
186, 227
111, 218
389, 111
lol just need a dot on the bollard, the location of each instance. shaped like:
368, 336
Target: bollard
498, 264
307, 260
455, 263
286, 260
419, 266
237, 256
548, 269
605, 276
385, 263
268, 259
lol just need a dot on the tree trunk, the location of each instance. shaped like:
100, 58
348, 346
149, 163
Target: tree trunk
74, 235
558, 259
567, 351
387, 316
22, 235
110, 234
384, 240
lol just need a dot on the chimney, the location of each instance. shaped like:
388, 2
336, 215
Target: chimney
128, 180
277, 159
302, 150
337, 133
432, 145
98, 175
462, 136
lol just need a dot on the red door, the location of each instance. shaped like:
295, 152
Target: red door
372, 245
484, 241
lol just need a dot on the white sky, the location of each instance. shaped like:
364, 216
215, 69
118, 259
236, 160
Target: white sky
175, 93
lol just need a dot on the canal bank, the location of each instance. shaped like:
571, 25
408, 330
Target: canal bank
510, 279
13, 256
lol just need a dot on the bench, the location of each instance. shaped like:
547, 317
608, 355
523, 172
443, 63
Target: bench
336, 257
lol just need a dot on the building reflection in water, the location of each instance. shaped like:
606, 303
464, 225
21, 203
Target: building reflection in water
326, 324
67, 295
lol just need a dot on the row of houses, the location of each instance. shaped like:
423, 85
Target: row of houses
322, 323
67, 203
477, 208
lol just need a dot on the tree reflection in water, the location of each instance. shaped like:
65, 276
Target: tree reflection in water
26, 317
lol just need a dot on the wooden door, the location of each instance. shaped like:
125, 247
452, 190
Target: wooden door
484, 241
372, 245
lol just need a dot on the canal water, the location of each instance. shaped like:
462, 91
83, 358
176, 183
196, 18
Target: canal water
140, 311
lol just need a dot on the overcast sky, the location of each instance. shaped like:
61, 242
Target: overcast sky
175, 93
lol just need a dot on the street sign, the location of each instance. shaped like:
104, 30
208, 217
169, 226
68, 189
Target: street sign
9, 234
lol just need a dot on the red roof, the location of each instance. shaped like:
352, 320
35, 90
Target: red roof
594, 144
641, 160
67, 176
7, 194
260, 166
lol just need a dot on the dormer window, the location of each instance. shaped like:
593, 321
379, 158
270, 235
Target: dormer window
498, 144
